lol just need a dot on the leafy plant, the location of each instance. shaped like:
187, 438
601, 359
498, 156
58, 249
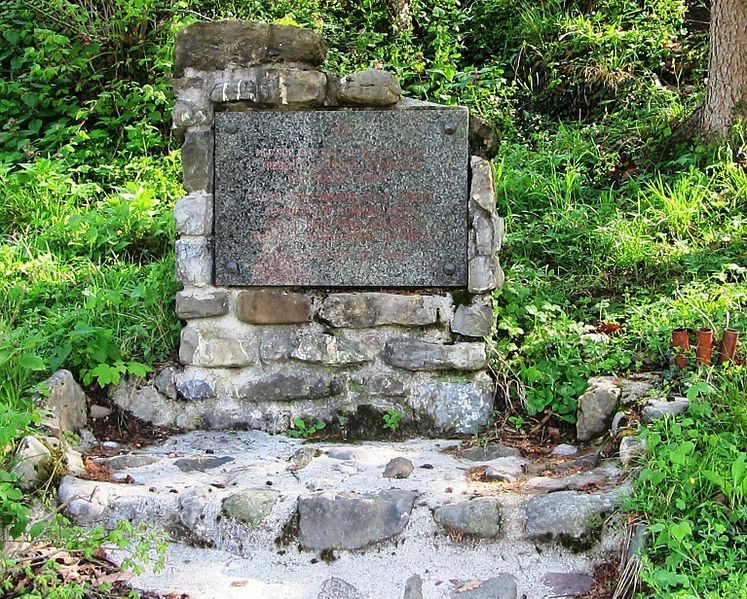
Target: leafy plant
299, 428
392, 419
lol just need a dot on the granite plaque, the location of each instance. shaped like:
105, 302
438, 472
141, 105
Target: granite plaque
374, 198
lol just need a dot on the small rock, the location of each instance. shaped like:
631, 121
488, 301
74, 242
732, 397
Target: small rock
658, 409
97, 412
398, 468
413, 588
568, 584
502, 586
638, 386
342, 454
564, 449
66, 401
479, 517
506, 469
491, 452
201, 463
596, 407
124, 462
578, 481
632, 450
120, 477
110, 445
74, 462
336, 588
251, 506
302, 458
33, 459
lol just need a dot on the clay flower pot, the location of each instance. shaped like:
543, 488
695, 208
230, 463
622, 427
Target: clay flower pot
728, 349
681, 344
704, 349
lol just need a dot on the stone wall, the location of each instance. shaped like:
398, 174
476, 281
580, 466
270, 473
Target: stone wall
259, 357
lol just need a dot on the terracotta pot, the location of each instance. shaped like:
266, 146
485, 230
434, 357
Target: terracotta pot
728, 347
704, 349
681, 343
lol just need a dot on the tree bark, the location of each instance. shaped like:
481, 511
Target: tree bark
726, 89
401, 14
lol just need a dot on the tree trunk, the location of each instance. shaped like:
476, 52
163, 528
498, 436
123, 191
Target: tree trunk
401, 14
726, 90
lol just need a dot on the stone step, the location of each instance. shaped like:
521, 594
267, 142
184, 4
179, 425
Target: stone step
284, 517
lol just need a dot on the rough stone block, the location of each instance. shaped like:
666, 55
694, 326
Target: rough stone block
274, 86
295, 384
201, 303
360, 310
352, 521
483, 138
372, 87
386, 384
475, 320
194, 261
483, 230
460, 407
478, 517
186, 114
67, 403
197, 160
485, 274
413, 354
482, 185
165, 382
194, 214
220, 45
195, 388
273, 307
216, 347
329, 350
499, 230
596, 407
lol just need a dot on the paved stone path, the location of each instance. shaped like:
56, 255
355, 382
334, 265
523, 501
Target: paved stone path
267, 517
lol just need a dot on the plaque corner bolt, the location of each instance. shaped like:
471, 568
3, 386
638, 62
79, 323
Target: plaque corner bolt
449, 268
449, 127
232, 267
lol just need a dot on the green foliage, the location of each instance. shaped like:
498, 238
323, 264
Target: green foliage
392, 420
299, 428
693, 492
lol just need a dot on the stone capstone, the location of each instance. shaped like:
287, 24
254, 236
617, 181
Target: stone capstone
502, 586
372, 87
201, 303
273, 307
194, 214
197, 160
251, 506
477, 517
221, 45
483, 138
360, 310
350, 521
596, 407
413, 354
194, 261
294, 384
66, 402
475, 320
217, 347
568, 516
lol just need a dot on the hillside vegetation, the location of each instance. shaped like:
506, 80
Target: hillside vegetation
612, 222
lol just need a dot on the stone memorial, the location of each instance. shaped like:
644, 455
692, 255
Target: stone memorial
337, 244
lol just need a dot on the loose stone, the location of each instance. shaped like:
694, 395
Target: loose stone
657, 409
568, 584
398, 467
478, 517
352, 521
33, 459
491, 452
67, 403
201, 463
337, 588
596, 407
502, 586
632, 450
413, 588
251, 506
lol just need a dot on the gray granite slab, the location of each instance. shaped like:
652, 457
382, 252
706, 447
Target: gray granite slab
342, 198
